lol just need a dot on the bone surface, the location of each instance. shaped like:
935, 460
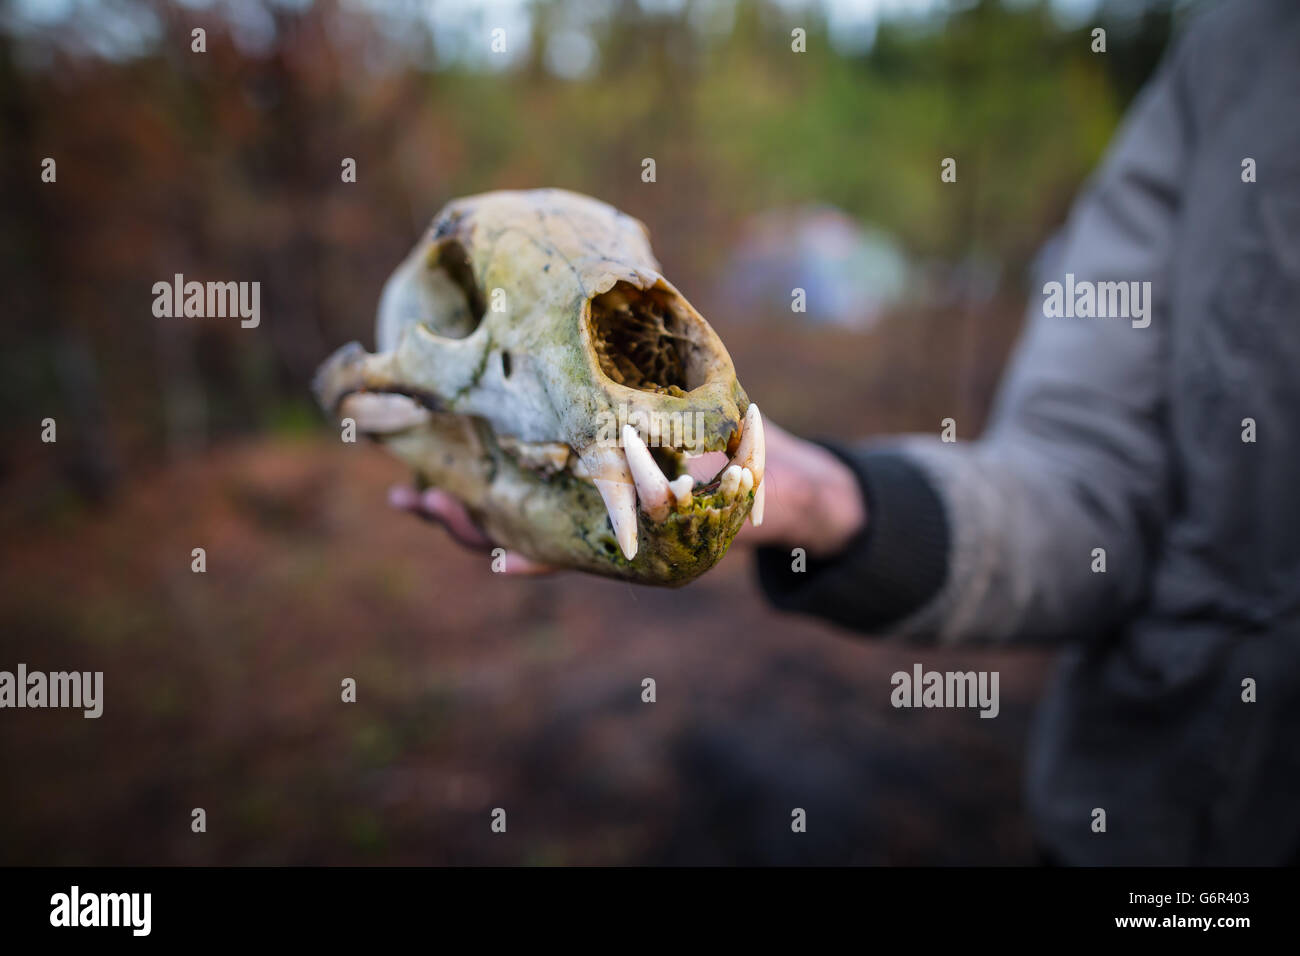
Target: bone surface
519, 345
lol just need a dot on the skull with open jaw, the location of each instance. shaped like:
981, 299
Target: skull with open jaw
533, 363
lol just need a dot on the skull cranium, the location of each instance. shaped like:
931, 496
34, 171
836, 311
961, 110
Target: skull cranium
533, 362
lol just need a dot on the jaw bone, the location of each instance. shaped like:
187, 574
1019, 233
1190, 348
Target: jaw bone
657, 495
623, 480
631, 476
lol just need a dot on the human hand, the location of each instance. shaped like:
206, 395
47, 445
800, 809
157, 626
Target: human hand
813, 499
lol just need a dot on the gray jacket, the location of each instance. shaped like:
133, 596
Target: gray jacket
1129, 435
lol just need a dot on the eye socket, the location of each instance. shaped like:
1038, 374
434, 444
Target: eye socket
454, 304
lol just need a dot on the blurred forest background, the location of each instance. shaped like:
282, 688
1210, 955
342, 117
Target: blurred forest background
478, 692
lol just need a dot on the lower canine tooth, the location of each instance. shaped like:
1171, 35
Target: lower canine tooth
746, 481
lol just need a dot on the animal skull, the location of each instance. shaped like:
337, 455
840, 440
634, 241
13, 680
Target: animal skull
532, 362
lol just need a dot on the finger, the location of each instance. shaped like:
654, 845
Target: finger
440, 507
443, 507
519, 565
403, 498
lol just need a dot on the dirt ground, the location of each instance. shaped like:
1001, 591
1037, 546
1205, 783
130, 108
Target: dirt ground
475, 691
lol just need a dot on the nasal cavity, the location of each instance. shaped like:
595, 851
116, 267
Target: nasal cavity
648, 340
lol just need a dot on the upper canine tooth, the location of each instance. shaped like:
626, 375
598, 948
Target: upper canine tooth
756, 512
602, 462
620, 502
651, 485
609, 473
751, 453
730, 482
682, 487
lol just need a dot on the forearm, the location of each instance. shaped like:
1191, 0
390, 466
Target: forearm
885, 568
1004, 538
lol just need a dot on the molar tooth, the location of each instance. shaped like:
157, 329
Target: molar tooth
730, 482
752, 451
682, 487
651, 485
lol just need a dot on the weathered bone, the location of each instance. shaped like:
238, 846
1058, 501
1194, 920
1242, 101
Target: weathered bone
516, 331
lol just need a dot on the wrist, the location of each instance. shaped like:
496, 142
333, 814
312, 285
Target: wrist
832, 510
844, 511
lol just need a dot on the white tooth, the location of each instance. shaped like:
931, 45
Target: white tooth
651, 486
752, 451
756, 512
609, 473
746, 481
620, 502
382, 412
730, 482
603, 461
682, 487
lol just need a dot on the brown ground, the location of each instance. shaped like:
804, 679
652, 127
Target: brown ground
476, 690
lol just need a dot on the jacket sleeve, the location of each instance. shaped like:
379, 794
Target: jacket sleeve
994, 540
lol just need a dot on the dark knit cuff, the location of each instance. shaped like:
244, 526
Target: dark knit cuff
893, 567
